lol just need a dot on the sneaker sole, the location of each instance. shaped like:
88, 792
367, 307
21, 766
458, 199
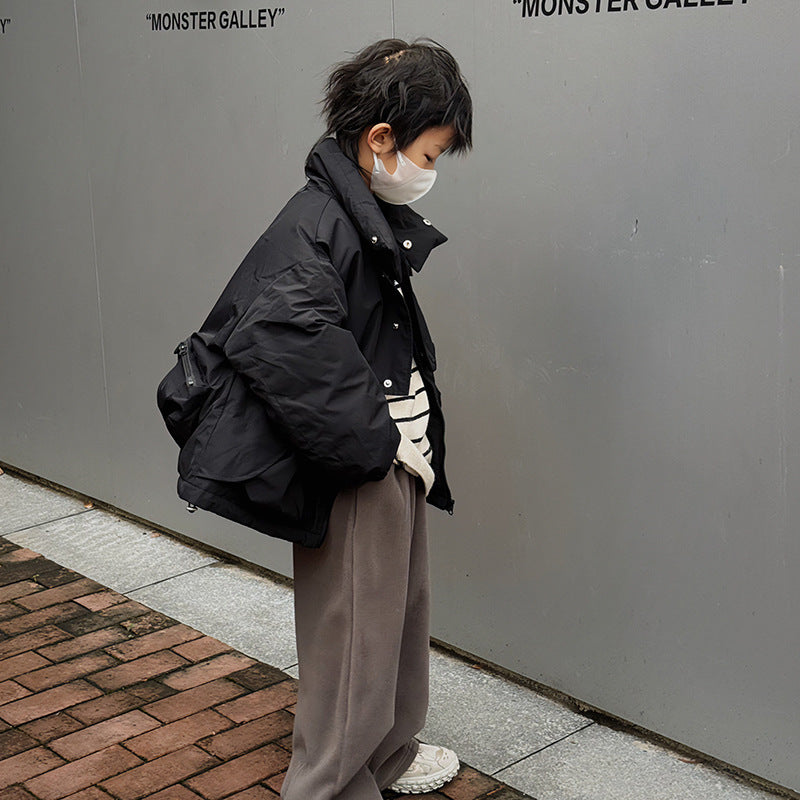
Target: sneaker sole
422, 785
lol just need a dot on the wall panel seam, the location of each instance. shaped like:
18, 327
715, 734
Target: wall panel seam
91, 215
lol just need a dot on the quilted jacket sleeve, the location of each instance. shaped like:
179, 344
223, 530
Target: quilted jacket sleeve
296, 354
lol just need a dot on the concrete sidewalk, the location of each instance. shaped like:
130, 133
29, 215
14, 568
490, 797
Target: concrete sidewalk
133, 665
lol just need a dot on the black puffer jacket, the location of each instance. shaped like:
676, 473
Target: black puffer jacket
301, 348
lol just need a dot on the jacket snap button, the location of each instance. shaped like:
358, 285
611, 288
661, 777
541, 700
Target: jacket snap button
374, 240
407, 244
387, 383
396, 325
427, 222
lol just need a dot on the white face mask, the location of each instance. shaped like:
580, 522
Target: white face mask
405, 185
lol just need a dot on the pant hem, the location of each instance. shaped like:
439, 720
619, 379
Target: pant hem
413, 748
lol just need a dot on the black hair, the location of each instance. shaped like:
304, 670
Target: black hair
412, 86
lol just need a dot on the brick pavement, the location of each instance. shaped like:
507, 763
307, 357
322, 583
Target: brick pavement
101, 697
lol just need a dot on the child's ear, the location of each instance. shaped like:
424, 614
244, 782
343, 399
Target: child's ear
380, 139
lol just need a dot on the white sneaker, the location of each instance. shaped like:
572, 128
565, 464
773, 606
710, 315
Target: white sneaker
433, 767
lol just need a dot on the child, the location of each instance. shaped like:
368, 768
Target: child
321, 324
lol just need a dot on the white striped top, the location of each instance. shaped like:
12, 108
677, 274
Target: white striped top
411, 413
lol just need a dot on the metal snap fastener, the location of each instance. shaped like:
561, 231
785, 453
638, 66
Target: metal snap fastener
374, 240
396, 325
387, 383
407, 244
427, 222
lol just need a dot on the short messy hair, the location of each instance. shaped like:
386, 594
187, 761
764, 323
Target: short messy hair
412, 86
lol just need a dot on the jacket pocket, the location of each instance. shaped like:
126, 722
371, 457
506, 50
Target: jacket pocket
184, 390
279, 489
237, 440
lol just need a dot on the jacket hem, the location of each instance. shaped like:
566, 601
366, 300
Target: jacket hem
217, 504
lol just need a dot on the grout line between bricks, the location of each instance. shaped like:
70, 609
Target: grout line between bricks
545, 747
171, 577
45, 522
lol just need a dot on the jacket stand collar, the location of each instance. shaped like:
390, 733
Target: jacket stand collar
396, 229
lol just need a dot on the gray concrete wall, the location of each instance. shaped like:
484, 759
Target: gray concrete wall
616, 314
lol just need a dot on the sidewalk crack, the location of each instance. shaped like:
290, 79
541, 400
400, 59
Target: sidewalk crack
170, 577
47, 522
545, 747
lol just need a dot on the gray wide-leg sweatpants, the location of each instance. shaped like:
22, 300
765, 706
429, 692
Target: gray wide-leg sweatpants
362, 605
